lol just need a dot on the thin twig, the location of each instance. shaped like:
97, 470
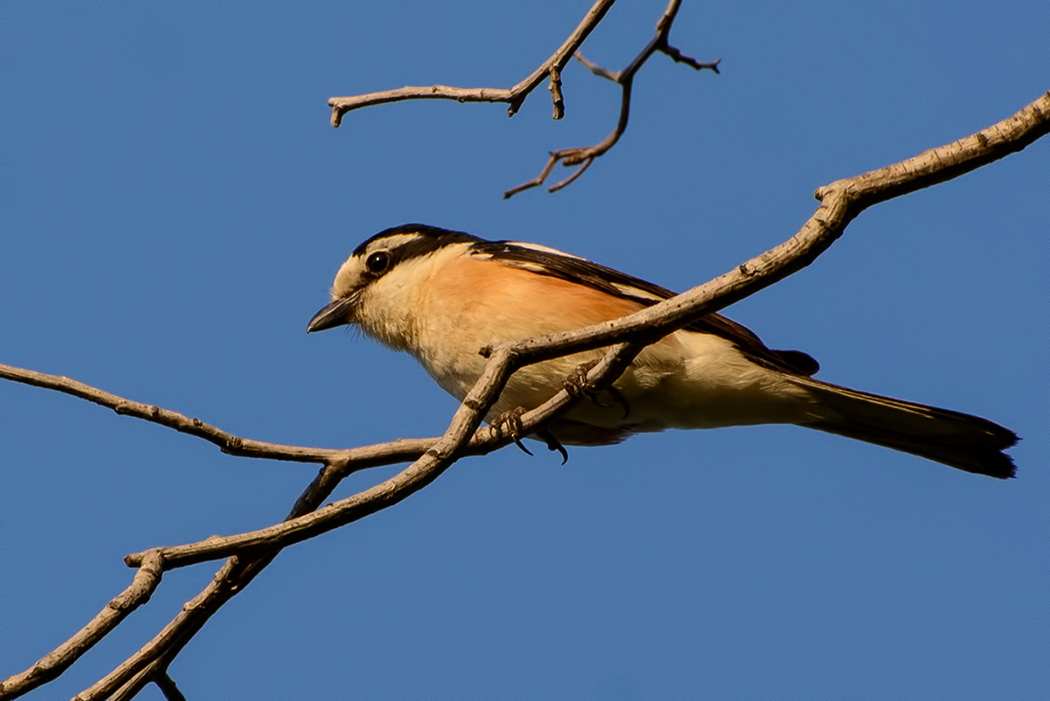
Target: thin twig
584, 156
52, 665
556, 97
350, 459
514, 96
227, 442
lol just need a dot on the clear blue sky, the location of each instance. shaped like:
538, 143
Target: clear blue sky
174, 205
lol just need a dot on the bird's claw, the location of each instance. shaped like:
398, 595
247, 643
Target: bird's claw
508, 425
576, 385
554, 444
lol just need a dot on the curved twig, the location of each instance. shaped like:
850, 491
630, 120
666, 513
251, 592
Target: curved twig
227, 442
584, 156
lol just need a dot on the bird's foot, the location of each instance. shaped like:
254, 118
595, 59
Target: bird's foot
508, 425
576, 385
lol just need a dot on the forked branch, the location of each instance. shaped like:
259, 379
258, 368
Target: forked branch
551, 70
584, 156
840, 203
514, 97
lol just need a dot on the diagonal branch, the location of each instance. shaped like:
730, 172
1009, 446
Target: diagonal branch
52, 665
429, 466
840, 203
153, 658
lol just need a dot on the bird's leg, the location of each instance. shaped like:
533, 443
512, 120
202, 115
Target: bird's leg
509, 424
577, 386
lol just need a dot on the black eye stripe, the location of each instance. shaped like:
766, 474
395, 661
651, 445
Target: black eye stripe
389, 249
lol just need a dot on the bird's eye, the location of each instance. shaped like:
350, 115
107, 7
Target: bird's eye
377, 262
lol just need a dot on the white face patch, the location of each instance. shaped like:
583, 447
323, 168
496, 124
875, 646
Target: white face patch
351, 275
348, 278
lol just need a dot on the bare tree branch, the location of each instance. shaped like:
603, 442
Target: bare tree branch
234, 576
552, 69
52, 665
349, 459
840, 203
584, 156
514, 96
227, 442
504, 361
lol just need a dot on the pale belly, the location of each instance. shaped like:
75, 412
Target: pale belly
690, 381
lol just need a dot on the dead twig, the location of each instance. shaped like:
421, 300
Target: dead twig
550, 69
584, 156
52, 665
514, 97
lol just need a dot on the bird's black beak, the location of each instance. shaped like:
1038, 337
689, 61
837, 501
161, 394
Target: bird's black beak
338, 313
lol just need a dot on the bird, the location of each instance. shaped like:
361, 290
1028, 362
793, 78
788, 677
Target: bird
443, 295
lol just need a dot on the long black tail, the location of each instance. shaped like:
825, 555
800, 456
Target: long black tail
960, 440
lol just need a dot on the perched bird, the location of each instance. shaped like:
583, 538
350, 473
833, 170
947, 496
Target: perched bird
443, 295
